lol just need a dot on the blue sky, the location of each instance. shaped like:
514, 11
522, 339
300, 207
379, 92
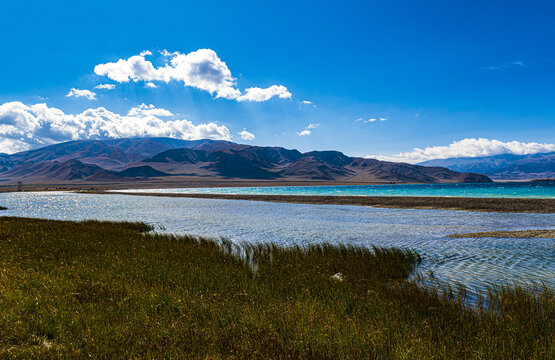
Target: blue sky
436, 72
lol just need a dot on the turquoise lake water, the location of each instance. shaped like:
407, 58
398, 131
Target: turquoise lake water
543, 189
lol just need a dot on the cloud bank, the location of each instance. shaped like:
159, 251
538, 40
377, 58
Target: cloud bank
23, 127
201, 69
468, 148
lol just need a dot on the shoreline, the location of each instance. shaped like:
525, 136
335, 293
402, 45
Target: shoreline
212, 183
180, 184
516, 234
507, 205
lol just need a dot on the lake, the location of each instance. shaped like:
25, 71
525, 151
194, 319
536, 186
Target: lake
540, 189
475, 262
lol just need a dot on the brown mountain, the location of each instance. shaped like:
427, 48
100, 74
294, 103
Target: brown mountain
252, 162
126, 159
55, 171
109, 154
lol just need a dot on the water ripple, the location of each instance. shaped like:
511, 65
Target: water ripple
475, 262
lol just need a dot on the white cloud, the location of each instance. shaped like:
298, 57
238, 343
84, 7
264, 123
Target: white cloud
245, 135
105, 86
201, 69
23, 127
148, 110
258, 94
151, 85
307, 102
306, 131
371, 120
468, 148
10, 146
73, 92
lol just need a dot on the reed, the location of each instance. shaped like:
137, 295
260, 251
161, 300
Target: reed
113, 290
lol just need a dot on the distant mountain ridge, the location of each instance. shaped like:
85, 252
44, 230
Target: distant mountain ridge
503, 167
144, 158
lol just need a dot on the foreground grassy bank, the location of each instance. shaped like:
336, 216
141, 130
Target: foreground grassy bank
108, 290
511, 205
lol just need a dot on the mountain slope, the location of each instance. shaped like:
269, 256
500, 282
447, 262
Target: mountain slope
507, 166
109, 154
251, 162
54, 171
125, 159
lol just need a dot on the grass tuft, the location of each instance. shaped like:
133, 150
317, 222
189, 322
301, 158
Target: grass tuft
112, 290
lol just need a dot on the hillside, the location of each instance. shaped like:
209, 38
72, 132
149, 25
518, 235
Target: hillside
127, 159
255, 162
51, 171
503, 167
109, 154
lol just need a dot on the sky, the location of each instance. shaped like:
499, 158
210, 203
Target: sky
396, 80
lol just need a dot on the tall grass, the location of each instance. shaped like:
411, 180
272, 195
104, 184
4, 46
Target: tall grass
110, 290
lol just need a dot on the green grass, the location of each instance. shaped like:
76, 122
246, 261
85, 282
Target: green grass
108, 290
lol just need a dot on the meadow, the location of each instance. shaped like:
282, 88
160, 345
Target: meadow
114, 290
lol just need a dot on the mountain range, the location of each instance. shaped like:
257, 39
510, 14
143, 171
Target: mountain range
503, 167
105, 161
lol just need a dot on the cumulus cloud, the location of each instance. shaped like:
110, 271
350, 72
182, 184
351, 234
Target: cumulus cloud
148, 110
73, 92
468, 148
304, 133
306, 102
151, 85
24, 127
245, 135
105, 86
259, 94
201, 69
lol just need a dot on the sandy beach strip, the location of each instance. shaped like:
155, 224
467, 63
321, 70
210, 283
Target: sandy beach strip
512, 205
